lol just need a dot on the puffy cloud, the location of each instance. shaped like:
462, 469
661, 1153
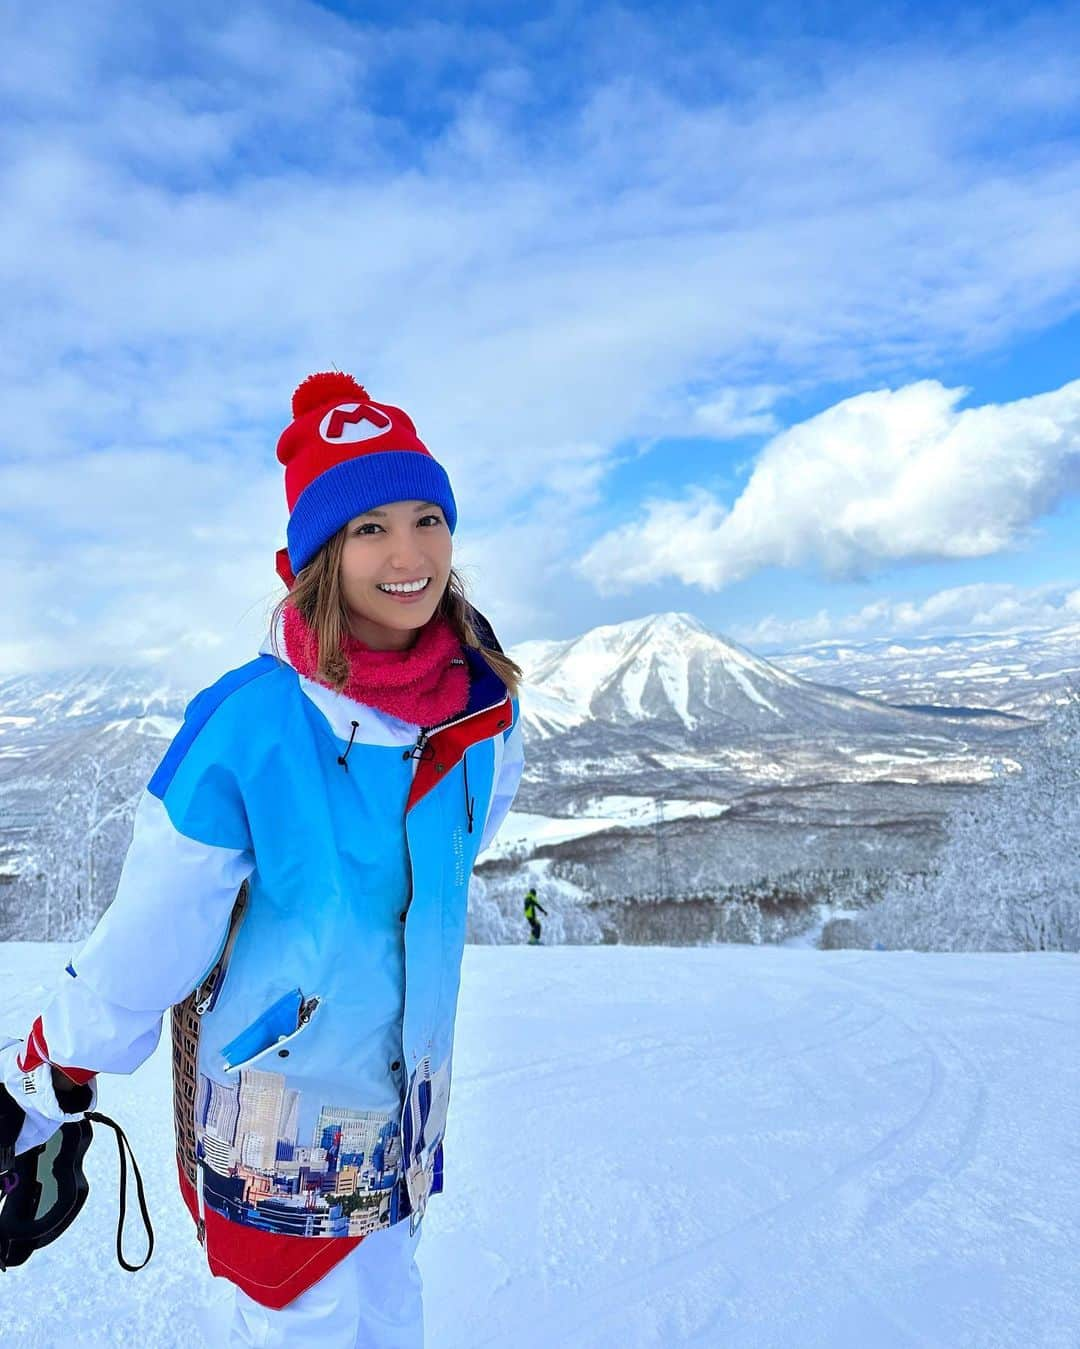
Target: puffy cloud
981, 607
890, 476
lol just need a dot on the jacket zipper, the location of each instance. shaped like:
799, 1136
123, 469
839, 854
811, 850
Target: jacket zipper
417, 752
200, 1229
426, 732
207, 993
407, 1067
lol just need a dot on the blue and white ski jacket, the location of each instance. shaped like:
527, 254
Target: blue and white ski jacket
296, 891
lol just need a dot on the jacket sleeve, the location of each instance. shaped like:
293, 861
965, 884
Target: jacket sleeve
190, 852
507, 780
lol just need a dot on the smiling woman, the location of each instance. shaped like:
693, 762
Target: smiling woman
303, 852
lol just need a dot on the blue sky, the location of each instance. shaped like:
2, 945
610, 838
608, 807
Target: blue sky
769, 316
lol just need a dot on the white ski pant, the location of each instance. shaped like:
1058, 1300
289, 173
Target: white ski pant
371, 1300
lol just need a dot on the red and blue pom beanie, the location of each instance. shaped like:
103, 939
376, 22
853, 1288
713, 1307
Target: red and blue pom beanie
343, 455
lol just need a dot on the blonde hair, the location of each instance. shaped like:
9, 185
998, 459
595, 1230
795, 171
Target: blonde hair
316, 593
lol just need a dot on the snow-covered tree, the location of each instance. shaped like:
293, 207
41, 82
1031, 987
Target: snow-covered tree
1007, 877
80, 841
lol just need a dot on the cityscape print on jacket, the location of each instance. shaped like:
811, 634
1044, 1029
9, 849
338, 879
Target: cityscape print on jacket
345, 1176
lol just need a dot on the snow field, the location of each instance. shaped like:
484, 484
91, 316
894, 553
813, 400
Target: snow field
727, 1148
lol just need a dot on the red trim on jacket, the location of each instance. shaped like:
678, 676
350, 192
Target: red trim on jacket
446, 748
36, 1052
271, 1267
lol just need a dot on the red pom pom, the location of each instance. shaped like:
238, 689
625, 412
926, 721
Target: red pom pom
328, 386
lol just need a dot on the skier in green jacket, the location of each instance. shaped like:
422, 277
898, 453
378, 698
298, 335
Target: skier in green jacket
531, 906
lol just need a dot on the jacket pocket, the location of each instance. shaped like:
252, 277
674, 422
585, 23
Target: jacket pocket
281, 1023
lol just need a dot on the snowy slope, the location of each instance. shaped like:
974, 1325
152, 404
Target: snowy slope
726, 1148
522, 832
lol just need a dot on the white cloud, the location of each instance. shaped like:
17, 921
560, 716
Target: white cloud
890, 476
981, 607
115, 554
537, 282
731, 413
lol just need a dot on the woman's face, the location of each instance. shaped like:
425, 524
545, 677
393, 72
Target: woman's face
402, 543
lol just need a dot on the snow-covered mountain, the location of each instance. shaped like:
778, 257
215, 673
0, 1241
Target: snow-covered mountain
84, 696
713, 767
636, 731
671, 668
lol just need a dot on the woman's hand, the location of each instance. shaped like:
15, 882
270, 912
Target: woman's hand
34, 1103
72, 1097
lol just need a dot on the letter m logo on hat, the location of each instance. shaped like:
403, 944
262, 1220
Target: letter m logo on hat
353, 422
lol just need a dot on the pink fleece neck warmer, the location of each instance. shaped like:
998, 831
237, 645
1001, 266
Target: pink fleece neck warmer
426, 685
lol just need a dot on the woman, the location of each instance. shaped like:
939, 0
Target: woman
296, 891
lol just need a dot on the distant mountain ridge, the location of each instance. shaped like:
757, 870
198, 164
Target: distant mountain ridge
764, 769
89, 694
670, 667
666, 666
1021, 672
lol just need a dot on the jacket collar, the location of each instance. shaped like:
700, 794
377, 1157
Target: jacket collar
374, 727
